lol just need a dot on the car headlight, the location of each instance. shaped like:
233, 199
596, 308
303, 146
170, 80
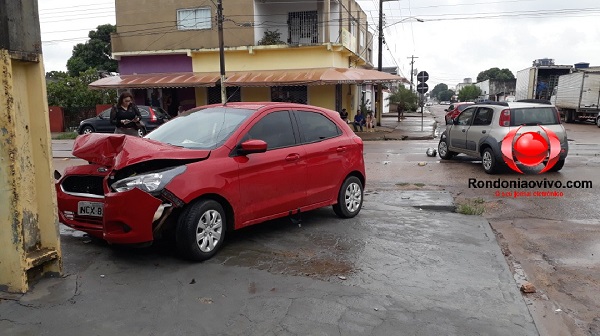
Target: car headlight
150, 182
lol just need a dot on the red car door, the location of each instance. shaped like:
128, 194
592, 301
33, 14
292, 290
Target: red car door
274, 182
328, 153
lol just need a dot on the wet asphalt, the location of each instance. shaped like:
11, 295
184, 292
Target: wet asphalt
406, 265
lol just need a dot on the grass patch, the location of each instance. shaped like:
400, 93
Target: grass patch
471, 207
66, 136
402, 184
420, 185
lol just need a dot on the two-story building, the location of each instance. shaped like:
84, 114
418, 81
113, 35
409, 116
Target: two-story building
315, 52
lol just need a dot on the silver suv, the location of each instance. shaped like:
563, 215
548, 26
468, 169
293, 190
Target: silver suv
479, 130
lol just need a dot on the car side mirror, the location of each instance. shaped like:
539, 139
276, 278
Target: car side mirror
252, 146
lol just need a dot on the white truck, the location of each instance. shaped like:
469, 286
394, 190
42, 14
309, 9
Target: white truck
577, 96
537, 82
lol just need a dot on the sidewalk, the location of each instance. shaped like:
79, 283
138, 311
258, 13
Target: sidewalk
407, 129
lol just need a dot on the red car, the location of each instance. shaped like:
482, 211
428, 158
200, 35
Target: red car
213, 169
454, 110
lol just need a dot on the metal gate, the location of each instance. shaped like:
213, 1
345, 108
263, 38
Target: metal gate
303, 27
232, 92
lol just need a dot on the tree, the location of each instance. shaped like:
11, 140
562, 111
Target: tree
469, 92
405, 99
446, 95
72, 92
437, 89
271, 37
95, 53
495, 73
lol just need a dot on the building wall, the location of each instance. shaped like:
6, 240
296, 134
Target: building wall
129, 65
250, 94
269, 59
322, 95
150, 25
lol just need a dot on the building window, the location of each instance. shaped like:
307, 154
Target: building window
362, 39
291, 94
303, 27
195, 18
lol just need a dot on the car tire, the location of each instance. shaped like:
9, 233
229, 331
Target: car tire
443, 151
201, 230
87, 129
598, 121
350, 198
558, 166
488, 161
141, 132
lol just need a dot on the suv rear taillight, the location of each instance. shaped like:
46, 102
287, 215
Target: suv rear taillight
504, 118
152, 115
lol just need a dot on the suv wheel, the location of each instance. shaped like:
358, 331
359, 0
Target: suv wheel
488, 160
559, 164
598, 121
443, 151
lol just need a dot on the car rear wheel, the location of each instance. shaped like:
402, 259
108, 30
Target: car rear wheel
488, 160
87, 129
443, 150
350, 198
201, 230
598, 121
558, 166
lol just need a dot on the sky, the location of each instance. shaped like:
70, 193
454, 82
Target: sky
456, 40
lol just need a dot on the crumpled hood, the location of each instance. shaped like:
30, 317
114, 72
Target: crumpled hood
120, 150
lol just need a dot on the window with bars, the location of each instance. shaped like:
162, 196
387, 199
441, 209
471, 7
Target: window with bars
291, 94
233, 94
303, 27
194, 18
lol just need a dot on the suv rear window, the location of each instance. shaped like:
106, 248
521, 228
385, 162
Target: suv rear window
532, 116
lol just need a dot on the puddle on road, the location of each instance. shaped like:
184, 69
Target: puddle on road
307, 251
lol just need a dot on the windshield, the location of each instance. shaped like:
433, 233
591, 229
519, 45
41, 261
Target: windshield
201, 129
534, 116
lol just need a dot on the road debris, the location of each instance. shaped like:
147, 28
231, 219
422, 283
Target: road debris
342, 277
206, 300
422, 164
528, 287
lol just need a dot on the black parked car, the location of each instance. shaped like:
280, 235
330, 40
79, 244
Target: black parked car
152, 117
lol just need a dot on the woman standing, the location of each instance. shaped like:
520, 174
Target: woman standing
125, 115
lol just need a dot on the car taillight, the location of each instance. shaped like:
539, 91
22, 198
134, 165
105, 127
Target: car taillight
152, 115
504, 118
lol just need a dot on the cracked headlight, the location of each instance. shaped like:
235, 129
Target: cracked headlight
149, 182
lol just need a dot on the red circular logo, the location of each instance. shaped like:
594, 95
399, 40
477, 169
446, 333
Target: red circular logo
531, 149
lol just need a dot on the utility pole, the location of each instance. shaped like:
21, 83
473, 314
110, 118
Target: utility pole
412, 73
221, 49
379, 94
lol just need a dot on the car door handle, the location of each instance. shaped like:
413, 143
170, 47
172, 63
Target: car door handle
341, 149
292, 157
484, 131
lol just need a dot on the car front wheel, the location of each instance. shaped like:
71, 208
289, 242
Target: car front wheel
87, 130
443, 151
141, 132
201, 230
598, 121
558, 166
350, 198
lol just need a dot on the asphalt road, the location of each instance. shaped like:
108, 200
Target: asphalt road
407, 265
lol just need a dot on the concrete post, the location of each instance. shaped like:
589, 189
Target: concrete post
29, 238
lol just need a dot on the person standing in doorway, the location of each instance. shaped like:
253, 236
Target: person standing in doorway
125, 115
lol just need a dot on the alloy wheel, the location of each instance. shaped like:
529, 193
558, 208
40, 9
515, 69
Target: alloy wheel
353, 197
209, 230
487, 160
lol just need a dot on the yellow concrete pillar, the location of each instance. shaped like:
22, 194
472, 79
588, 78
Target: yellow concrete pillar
29, 237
